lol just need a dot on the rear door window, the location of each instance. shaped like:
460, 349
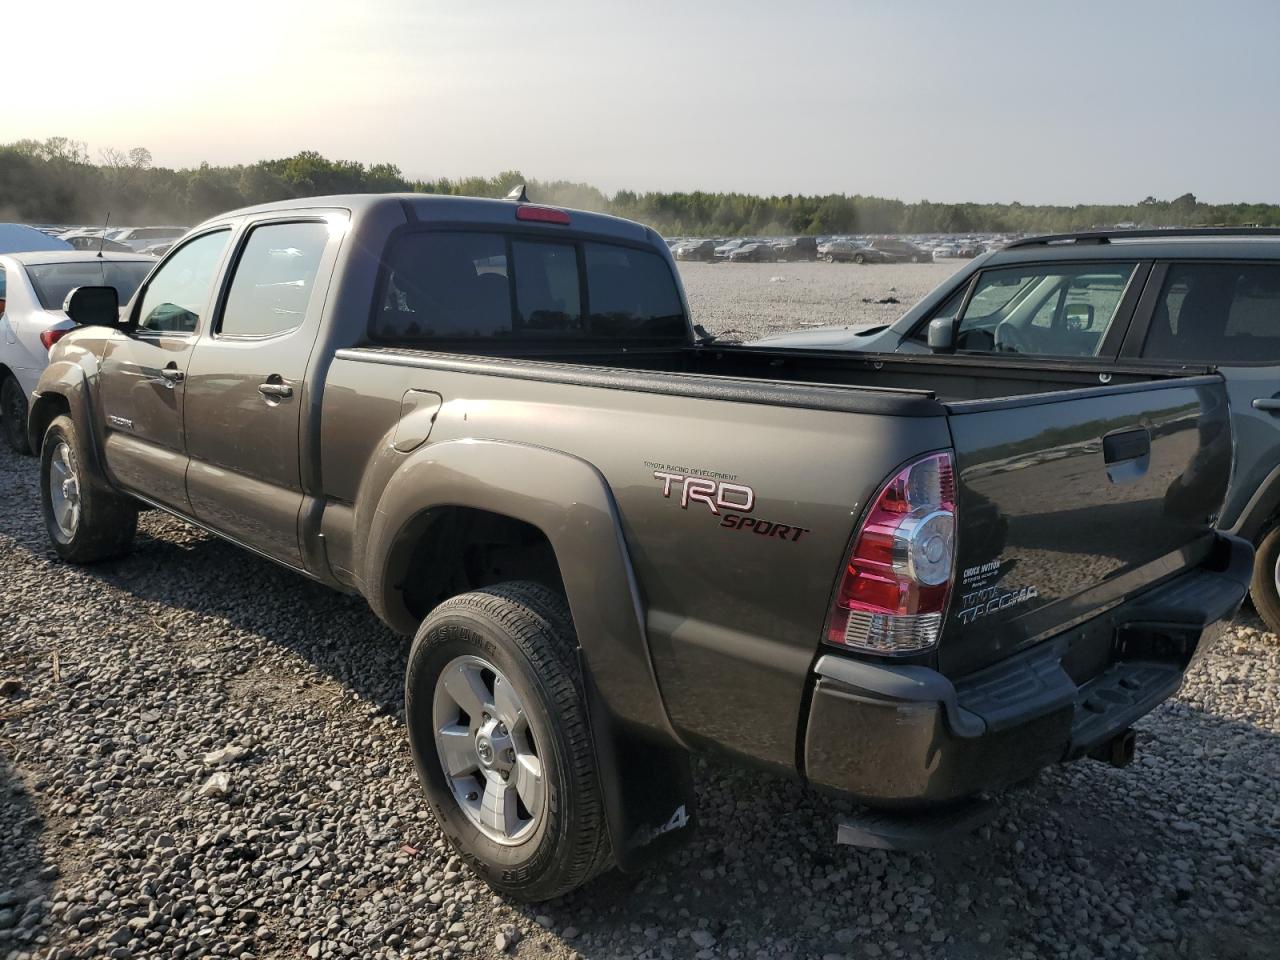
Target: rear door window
1054, 310
1217, 313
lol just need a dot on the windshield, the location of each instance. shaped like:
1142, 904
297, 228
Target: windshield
53, 281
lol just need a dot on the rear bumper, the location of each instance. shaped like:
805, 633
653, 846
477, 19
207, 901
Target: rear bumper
909, 736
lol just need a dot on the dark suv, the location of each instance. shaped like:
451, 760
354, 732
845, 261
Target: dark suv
1118, 300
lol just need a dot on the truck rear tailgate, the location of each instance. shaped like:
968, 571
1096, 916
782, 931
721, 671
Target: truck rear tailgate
1071, 502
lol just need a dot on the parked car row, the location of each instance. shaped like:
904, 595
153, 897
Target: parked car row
834, 249
151, 240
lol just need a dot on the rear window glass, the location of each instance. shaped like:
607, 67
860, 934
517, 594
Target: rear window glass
1217, 312
469, 285
53, 281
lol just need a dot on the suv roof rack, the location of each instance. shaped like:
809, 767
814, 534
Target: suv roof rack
1106, 236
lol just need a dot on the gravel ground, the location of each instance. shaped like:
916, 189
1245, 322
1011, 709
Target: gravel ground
748, 300
203, 755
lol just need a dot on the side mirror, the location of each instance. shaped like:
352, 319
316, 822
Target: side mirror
93, 306
1079, 316
942, 334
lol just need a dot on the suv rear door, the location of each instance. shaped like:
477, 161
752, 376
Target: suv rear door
1225, 313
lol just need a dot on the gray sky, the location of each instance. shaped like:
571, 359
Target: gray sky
1057, 103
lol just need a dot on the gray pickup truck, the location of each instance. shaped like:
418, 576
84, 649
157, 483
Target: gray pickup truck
616, 542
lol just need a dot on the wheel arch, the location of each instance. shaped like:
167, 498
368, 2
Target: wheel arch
63, 388
1262, 512
541, 494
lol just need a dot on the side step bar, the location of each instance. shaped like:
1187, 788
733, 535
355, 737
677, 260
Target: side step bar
914, 830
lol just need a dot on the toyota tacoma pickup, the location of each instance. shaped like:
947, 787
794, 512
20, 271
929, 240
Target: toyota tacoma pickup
617, 543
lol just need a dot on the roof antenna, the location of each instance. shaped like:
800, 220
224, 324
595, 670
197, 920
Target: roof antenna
518, 194
102, 238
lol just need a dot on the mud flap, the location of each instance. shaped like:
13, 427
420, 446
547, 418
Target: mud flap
648, 788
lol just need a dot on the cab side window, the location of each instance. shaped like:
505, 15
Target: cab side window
178, 293
274, 279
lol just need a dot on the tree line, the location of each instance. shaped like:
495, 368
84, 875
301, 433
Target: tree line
57, 181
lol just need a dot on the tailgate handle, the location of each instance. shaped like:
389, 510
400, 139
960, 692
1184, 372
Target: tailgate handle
1130, 445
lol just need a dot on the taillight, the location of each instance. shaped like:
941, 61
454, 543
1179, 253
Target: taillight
541, 214
894, 588
50, 337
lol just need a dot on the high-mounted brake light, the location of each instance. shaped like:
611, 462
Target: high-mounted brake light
541, 214
50, 337
894, 587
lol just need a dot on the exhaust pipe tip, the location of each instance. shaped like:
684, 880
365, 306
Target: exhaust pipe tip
1119, 750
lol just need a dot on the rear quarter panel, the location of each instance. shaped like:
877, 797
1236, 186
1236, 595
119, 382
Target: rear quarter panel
733, 611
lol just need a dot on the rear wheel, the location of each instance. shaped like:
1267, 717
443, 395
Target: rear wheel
86, 521
498, 727
859, 258
1265, 589
829, 258
13, 413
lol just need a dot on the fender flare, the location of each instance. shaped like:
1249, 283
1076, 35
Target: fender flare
571, 503
65, 381
1255, 519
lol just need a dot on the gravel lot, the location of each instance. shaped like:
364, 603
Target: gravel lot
204, 756
748, 300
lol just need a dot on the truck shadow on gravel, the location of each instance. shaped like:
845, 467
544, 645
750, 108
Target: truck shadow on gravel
26, 877
1086, 855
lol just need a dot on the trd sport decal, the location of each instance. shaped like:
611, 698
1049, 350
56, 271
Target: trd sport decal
726, 499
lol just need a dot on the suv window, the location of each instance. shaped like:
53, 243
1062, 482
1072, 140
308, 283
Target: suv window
1056, 310
493, 286
1219, 312
175, 298
273, 279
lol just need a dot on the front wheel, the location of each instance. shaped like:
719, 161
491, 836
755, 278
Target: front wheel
13, 414
86, 521
500, 738
859, 258
829, 258
1265, 588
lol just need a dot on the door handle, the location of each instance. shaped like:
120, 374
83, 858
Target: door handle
171, 375
275, 388
1269, 404
1129, 445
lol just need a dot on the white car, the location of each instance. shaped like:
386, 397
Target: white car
33, 287
139, 237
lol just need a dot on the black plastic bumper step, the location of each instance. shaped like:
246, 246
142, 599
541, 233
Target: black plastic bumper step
1110, 702
914, 830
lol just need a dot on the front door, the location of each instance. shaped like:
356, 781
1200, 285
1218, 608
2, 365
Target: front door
144, 371
246, 387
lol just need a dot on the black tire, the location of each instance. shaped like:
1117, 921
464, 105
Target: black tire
1266, 598
526, 631
829, 258
13, 413
859, 258
107, 521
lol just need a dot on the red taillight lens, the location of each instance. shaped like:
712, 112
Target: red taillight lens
541, 214
894, 588
50, 337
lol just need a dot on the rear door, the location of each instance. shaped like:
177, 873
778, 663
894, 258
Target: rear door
142, 382
1071, 501
245, 385
1228, 314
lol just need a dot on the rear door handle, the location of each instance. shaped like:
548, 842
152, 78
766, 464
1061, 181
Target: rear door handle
1269, 404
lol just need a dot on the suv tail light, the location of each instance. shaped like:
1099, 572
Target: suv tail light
50, 337
894, 588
